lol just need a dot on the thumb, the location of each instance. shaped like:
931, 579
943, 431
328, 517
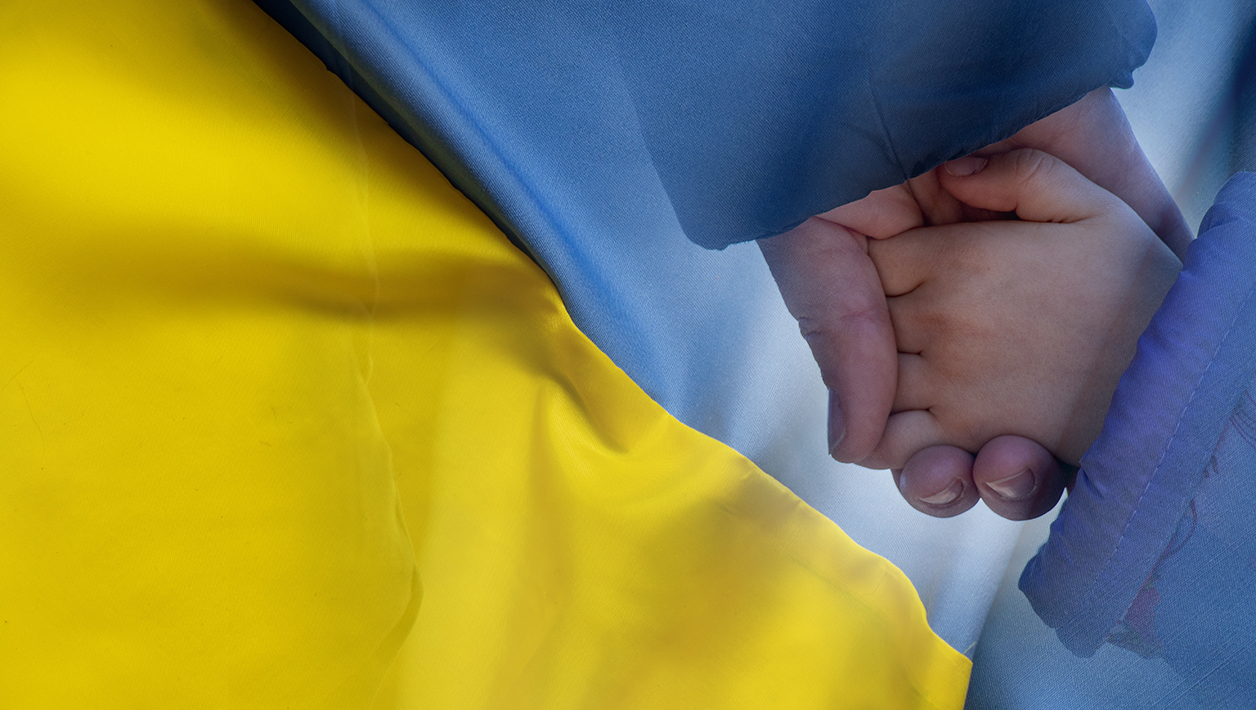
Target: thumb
1031, 183
1018, 478
830, 286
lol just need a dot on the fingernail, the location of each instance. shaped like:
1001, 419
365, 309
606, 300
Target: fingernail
1014, 487
968, 165
946, 496
837, 423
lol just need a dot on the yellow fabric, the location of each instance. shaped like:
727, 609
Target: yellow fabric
249, 338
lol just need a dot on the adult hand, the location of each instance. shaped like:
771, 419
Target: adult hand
831, 287
1093, 136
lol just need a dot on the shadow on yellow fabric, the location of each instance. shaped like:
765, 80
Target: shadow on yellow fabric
285, 422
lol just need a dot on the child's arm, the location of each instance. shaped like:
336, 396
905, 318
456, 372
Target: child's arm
1157, 532
1016, 327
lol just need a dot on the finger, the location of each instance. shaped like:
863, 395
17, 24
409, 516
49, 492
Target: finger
1034, 185
1121, 167
905, 434
831, 287
881, 214
915, 387
916, 203
1094, 137
1146, 194
910, 332
938, 481
1019, 479
907, 260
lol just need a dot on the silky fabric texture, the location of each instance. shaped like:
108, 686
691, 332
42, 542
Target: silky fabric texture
600, 135
705, 333
754, 115
265, 370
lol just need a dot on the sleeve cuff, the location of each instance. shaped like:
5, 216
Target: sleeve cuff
1193, 363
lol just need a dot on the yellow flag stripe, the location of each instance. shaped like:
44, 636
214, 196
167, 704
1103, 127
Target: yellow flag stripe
286, 422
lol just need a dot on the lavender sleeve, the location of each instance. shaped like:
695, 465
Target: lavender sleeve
1154, 550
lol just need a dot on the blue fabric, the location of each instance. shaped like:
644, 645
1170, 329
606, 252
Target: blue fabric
574, 127
598, 137
1197, 139
1202, 594
1137, 481
753, 116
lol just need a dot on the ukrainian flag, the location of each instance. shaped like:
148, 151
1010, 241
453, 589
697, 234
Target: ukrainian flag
287, 422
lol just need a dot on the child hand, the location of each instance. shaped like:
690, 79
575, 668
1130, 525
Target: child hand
1022, 326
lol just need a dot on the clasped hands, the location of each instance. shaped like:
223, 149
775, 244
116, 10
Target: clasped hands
988, 306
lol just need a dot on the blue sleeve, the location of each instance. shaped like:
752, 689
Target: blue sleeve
746, 117
1155, 548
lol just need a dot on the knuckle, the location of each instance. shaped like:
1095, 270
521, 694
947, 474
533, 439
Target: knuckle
1032, 165
881, 458
860, 314
812, 329
866, 310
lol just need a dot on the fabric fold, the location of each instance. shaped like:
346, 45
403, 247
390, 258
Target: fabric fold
285, 421
1193, 365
